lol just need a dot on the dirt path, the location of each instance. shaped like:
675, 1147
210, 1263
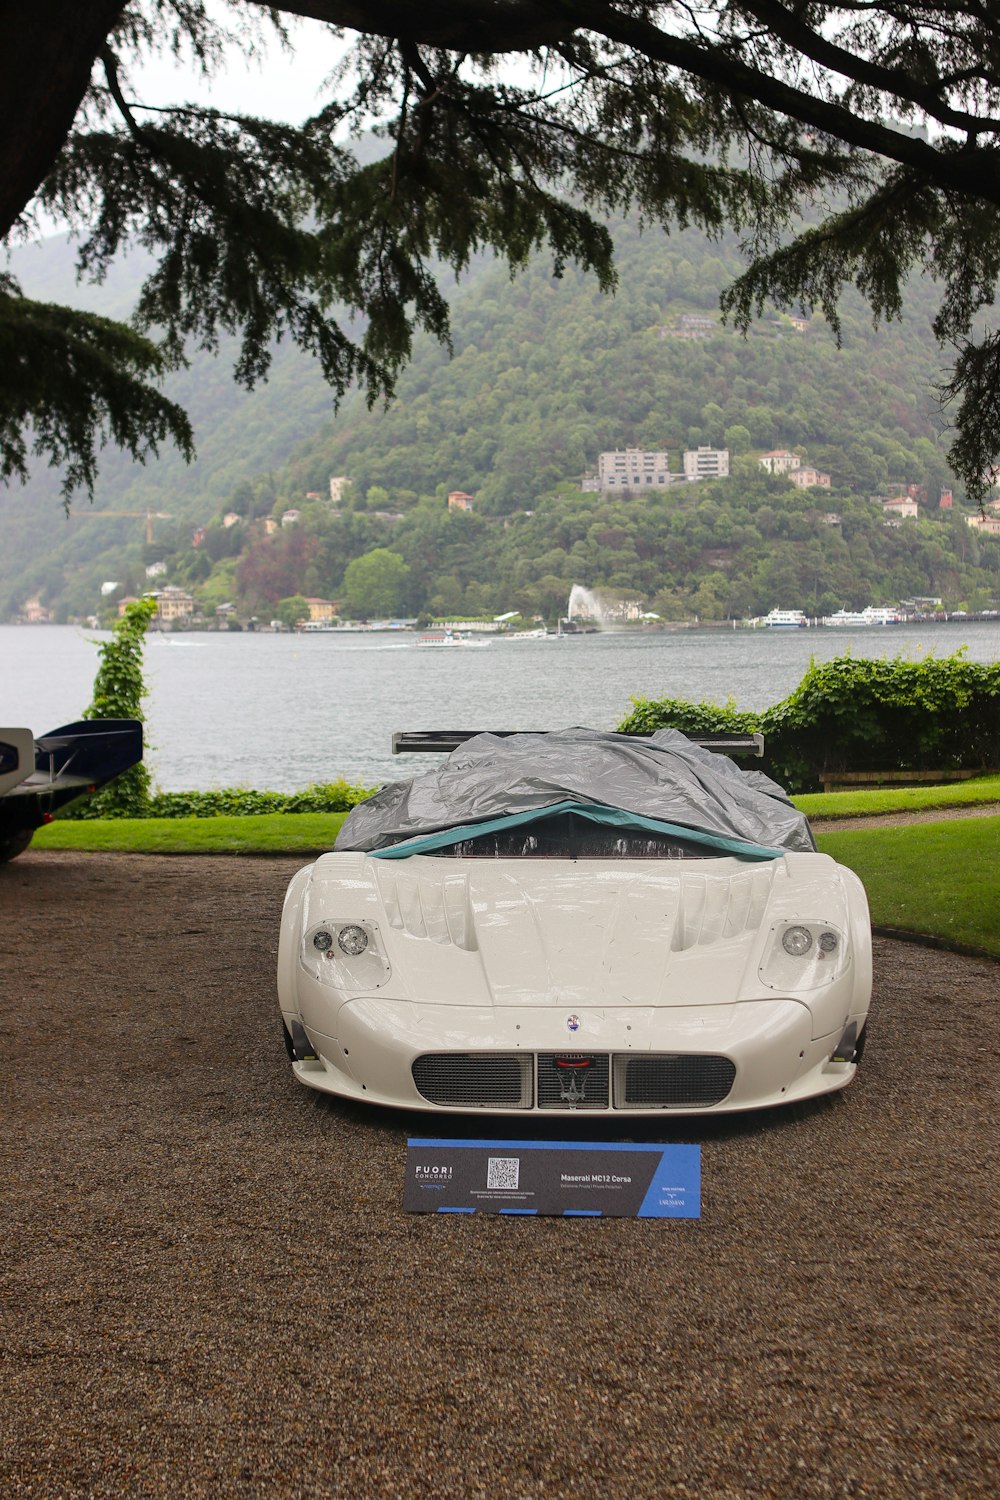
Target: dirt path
210, 1289
895, 820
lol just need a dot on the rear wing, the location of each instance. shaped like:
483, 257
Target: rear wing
440, 741
38, 778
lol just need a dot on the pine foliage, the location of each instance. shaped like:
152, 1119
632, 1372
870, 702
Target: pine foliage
734, 114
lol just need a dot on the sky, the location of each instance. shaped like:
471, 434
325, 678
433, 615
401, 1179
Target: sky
283, 85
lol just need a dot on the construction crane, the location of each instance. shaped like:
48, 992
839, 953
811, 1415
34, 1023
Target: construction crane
149, 515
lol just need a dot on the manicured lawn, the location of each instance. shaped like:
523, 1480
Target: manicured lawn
261, 833
932, 878
860, 804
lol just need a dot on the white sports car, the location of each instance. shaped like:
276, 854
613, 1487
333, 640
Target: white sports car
576, 921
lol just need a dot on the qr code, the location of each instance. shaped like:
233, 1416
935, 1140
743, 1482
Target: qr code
502, 1171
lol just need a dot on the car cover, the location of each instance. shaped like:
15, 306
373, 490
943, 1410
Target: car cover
662, 782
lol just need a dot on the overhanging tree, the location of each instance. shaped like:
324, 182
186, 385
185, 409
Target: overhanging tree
884, 117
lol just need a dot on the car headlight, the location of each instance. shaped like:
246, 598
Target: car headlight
797, 941
352, 940
346, 955
803, 956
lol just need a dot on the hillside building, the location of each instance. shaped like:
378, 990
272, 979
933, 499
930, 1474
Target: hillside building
459, 500
35, 612
706, 463
985, 525
173, 603
628, 471
808, 478
779, 461
633, 469
900, 508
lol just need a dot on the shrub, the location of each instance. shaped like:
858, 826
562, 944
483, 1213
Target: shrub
650, 714
858, 714
119, 689
332, 796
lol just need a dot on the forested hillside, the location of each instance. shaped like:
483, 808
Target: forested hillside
545, 374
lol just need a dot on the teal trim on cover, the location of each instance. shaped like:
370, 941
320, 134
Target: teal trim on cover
596, 812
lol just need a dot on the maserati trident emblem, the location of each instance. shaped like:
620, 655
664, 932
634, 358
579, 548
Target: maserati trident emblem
573, 1078
573, 1022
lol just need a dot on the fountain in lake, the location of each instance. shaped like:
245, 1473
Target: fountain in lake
584, 607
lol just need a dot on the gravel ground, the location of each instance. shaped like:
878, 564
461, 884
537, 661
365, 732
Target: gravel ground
210, 1288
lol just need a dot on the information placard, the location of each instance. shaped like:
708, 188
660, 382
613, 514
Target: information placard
573, 1178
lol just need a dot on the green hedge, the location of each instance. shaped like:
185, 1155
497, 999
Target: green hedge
858, 714
332, 796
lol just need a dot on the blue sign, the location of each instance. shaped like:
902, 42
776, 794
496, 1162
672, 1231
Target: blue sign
583, 1179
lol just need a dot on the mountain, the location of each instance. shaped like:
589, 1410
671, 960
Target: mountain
545, 374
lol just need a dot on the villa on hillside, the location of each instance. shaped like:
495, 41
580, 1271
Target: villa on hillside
459, 500
808, 478
900, 508
173, 603
783, 461
779, 461
987, 525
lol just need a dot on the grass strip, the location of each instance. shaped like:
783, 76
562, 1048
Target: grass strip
258, 833
929, 878
892, 799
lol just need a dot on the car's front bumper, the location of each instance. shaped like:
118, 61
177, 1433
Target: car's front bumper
766, 1045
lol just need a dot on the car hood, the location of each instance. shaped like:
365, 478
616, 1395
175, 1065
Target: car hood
587, 933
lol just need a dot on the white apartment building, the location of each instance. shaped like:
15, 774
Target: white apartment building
633, 469
706, 463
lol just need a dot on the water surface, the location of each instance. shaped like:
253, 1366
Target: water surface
281, 711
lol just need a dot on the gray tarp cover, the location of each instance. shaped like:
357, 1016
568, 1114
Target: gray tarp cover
664, 777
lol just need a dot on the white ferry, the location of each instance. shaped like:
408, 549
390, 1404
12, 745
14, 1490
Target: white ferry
785, 619
447, 640
859, 619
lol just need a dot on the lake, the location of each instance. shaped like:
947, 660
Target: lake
280, 711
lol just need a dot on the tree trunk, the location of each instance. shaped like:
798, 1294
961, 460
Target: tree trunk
47, 50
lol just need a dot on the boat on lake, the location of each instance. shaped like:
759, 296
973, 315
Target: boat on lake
859, 619
442, 640
785, 619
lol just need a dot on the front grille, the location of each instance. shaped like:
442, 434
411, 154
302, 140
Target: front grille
475, 1080
580, 1083
672, 1080
573, 1080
